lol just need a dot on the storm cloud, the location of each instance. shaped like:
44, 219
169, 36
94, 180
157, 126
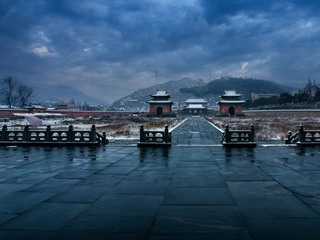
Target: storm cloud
109, 48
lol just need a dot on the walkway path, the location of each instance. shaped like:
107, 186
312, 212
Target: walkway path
195, 190
196, 131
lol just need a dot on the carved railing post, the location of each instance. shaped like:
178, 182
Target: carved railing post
227, 133
48, 134
289, 137
142, 135
4, 133
70, 134
313, 137
26, 134
301, 134
166, 134
93, 133
104, 140
251, 139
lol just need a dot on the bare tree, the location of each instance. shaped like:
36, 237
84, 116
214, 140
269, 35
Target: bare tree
8, 91
24, 93
12, 92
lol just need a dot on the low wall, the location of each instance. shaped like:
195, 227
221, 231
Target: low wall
10, 113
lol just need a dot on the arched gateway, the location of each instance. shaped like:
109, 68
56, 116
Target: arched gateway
160, 105
230, 104
159, 111
232, 111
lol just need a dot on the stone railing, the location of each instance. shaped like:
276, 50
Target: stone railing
154, 138
304, 137
238, 137
50, 136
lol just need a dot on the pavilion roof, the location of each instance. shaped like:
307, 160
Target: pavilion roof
161, 93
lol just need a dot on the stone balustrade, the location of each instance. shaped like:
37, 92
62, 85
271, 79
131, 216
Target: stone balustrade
238, 138
154, 138
304, 137
48, 136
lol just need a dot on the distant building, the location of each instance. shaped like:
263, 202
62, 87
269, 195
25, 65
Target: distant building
160, 105
35, 108
230, 104
256, 96
62, 106
195, 106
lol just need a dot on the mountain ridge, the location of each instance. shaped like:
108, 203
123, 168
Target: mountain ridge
185, 88
63, 93
137, 100
244, 86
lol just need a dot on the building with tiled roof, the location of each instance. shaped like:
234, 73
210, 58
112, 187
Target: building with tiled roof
160, 105
230, 104
196, 106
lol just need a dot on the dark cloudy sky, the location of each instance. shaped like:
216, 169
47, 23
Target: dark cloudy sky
109, 48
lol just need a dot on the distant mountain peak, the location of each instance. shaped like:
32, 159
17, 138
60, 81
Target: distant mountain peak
63, 93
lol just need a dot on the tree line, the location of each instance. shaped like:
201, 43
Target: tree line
13, 92
302, 97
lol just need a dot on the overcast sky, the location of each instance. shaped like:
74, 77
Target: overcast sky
110, 48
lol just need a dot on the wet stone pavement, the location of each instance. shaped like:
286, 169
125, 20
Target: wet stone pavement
195, 190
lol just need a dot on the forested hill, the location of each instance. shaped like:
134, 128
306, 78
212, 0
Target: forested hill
137, 100
245, 86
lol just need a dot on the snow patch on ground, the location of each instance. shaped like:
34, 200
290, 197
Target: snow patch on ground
270, 125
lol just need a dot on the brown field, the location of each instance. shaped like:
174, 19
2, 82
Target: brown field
268, 125
130, 128
271, 125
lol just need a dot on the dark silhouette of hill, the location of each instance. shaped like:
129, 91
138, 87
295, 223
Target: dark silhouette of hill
62, 93
245, 86
137, 100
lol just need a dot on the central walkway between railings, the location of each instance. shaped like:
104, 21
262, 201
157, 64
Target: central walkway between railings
196, 131
197, 189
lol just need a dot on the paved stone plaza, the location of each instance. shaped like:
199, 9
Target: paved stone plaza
195, 190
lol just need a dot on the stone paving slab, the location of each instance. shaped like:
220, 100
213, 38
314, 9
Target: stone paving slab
117, 170
202, 236
198, 196
8, 188
256, 189
248, 173
140, 187
53, 185
274, 207
80, 194
126, 205
94, 234
195, 190
308, 194
107, 225
20, 202
100, 181
198, 182
29, 178
198, 219
279, 229
24, 235
5, 217
75, 174
153, 175
46, 217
